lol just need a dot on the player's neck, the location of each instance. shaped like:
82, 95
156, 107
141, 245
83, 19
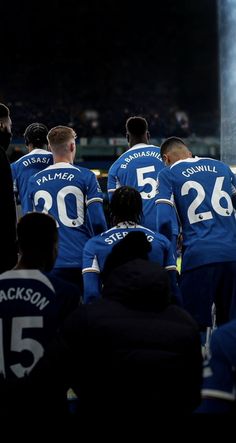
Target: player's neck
116, 221
29, 264
135, 141
63, 159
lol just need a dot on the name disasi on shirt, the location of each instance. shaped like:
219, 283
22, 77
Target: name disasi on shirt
32, 160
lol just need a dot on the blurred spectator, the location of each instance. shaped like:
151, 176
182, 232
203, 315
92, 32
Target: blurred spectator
179, 123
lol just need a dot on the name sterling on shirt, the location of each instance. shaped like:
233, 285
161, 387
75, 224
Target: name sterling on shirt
119, 235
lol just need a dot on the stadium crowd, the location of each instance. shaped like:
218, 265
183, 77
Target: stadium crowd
95, 304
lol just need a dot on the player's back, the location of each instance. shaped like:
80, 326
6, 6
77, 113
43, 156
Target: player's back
102, 244
24, 168
31, 308
64, 191
202, 189
139, 167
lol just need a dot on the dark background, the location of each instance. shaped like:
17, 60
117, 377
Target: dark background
119, 58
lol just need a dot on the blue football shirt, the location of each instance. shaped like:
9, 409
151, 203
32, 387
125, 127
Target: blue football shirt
138, 167
24, 168
202, 190
32, 307
72, 195
97, 249
219, 378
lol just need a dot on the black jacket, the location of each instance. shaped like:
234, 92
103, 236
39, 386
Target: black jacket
130, 355
8, 246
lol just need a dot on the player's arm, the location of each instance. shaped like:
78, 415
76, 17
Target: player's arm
14, 178
97, 217
165, 213
91, 274
94, 205
92, 285
29, 197
170, 266
112, 182
218, 376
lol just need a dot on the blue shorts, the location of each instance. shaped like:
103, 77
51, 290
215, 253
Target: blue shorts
208, 284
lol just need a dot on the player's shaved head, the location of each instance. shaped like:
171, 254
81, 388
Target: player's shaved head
174, 149
172, 143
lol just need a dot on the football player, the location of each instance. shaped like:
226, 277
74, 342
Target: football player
203, 191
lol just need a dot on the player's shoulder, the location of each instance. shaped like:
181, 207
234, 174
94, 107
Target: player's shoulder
94, 241
157, 237
146, 230
40, 152
38, 174
25, 275
160, 238
20, 160
62, 288
225, 334
166, 171
80, 168
155, 147
85, 172
210, 161
115, 165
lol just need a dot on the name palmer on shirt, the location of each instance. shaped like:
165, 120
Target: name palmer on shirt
55, 176
25, 294
201, 168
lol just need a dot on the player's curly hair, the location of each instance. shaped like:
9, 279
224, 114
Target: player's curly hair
126, 205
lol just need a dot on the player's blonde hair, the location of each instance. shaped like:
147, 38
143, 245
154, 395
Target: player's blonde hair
59, 136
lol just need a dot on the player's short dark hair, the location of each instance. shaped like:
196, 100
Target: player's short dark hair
136, 126
4, 111
36, 133
126, 205
170, 143
37, 232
